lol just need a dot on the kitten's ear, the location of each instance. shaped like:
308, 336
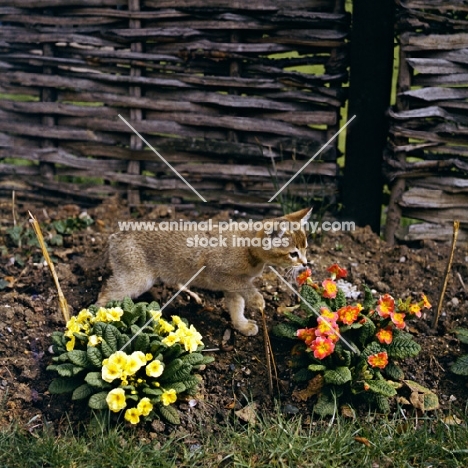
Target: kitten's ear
301, 215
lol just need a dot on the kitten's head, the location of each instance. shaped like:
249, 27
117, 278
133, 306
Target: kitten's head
284, 241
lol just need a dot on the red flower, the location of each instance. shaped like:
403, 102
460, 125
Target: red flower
415, 309
425, 302
328, 314
337, 272
306, 334
379, 360
329, 289
302, 277
385, 305
322, 347
349, 314
385, 335
398, 319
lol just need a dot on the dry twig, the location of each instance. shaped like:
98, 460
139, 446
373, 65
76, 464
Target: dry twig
62, 301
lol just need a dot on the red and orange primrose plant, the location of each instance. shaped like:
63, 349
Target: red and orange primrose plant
349, 352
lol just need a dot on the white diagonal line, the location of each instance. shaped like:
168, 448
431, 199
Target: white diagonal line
167, 163
312, 158
350, 346
163, 307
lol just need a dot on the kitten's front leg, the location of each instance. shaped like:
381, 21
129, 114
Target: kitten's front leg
253, 299
236, 306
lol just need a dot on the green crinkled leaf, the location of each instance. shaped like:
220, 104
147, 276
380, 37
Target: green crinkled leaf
106, 349
68, 369
170, 414
111, 335
460, 367
153, 306
95, 379
316, 367
370, 349
193, 358
173, 352
179, 387
462, 334
51, 367
122, 340
98, 401
173, 366
338, 376
57, 338
369, 301
381, 387
79, 358
342, 356
366, 331
207, 360
325, 405
94, 355
298, 321
285, 330
311, 299
340, 300
176, 376
191, 382
394, 371
382, 403
127, 305
99, 328
63, 385
303, 375
80, 336
401, 348
141, 343
152, 391
83, 391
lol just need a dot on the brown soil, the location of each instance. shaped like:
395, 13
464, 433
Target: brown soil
29, 314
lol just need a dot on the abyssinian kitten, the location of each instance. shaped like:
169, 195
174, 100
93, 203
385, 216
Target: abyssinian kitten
139, 258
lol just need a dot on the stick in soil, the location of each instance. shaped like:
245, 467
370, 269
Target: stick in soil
269, 357
62, 301
456, 228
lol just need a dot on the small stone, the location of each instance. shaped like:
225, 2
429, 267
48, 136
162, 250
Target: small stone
290, 409
454, 302
402, 259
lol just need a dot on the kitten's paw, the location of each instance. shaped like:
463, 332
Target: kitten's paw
248, 328
257, 301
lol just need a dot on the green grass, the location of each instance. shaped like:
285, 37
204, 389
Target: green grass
274, 441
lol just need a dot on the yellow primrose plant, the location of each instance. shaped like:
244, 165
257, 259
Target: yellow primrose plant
126, 357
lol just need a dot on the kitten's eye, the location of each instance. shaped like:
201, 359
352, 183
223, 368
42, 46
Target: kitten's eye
294, 254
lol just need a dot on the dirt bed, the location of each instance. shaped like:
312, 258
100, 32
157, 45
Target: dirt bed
28, 315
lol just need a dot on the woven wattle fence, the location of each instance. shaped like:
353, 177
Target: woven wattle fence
236, 95
427, 158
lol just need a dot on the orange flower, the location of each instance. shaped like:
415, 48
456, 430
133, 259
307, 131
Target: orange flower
349, 314
385, 335
385, 305
302, 277
398, 320
326, 328
426, 304
306, 334
322, 347
379, 360
415, 309
329, 289
337, 271
328, 314
366, 386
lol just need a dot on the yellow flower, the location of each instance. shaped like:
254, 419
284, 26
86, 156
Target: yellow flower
110, 372
119, 358
114, 314
132, 365
171, 339
165, 327
156, 314
168, 397
154, 368
72, 327
116, 399
176, 320
140, 356
132, 416
71, 344
83, 316
149, 356
94, 340
144, 406
102, 315
190, 338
